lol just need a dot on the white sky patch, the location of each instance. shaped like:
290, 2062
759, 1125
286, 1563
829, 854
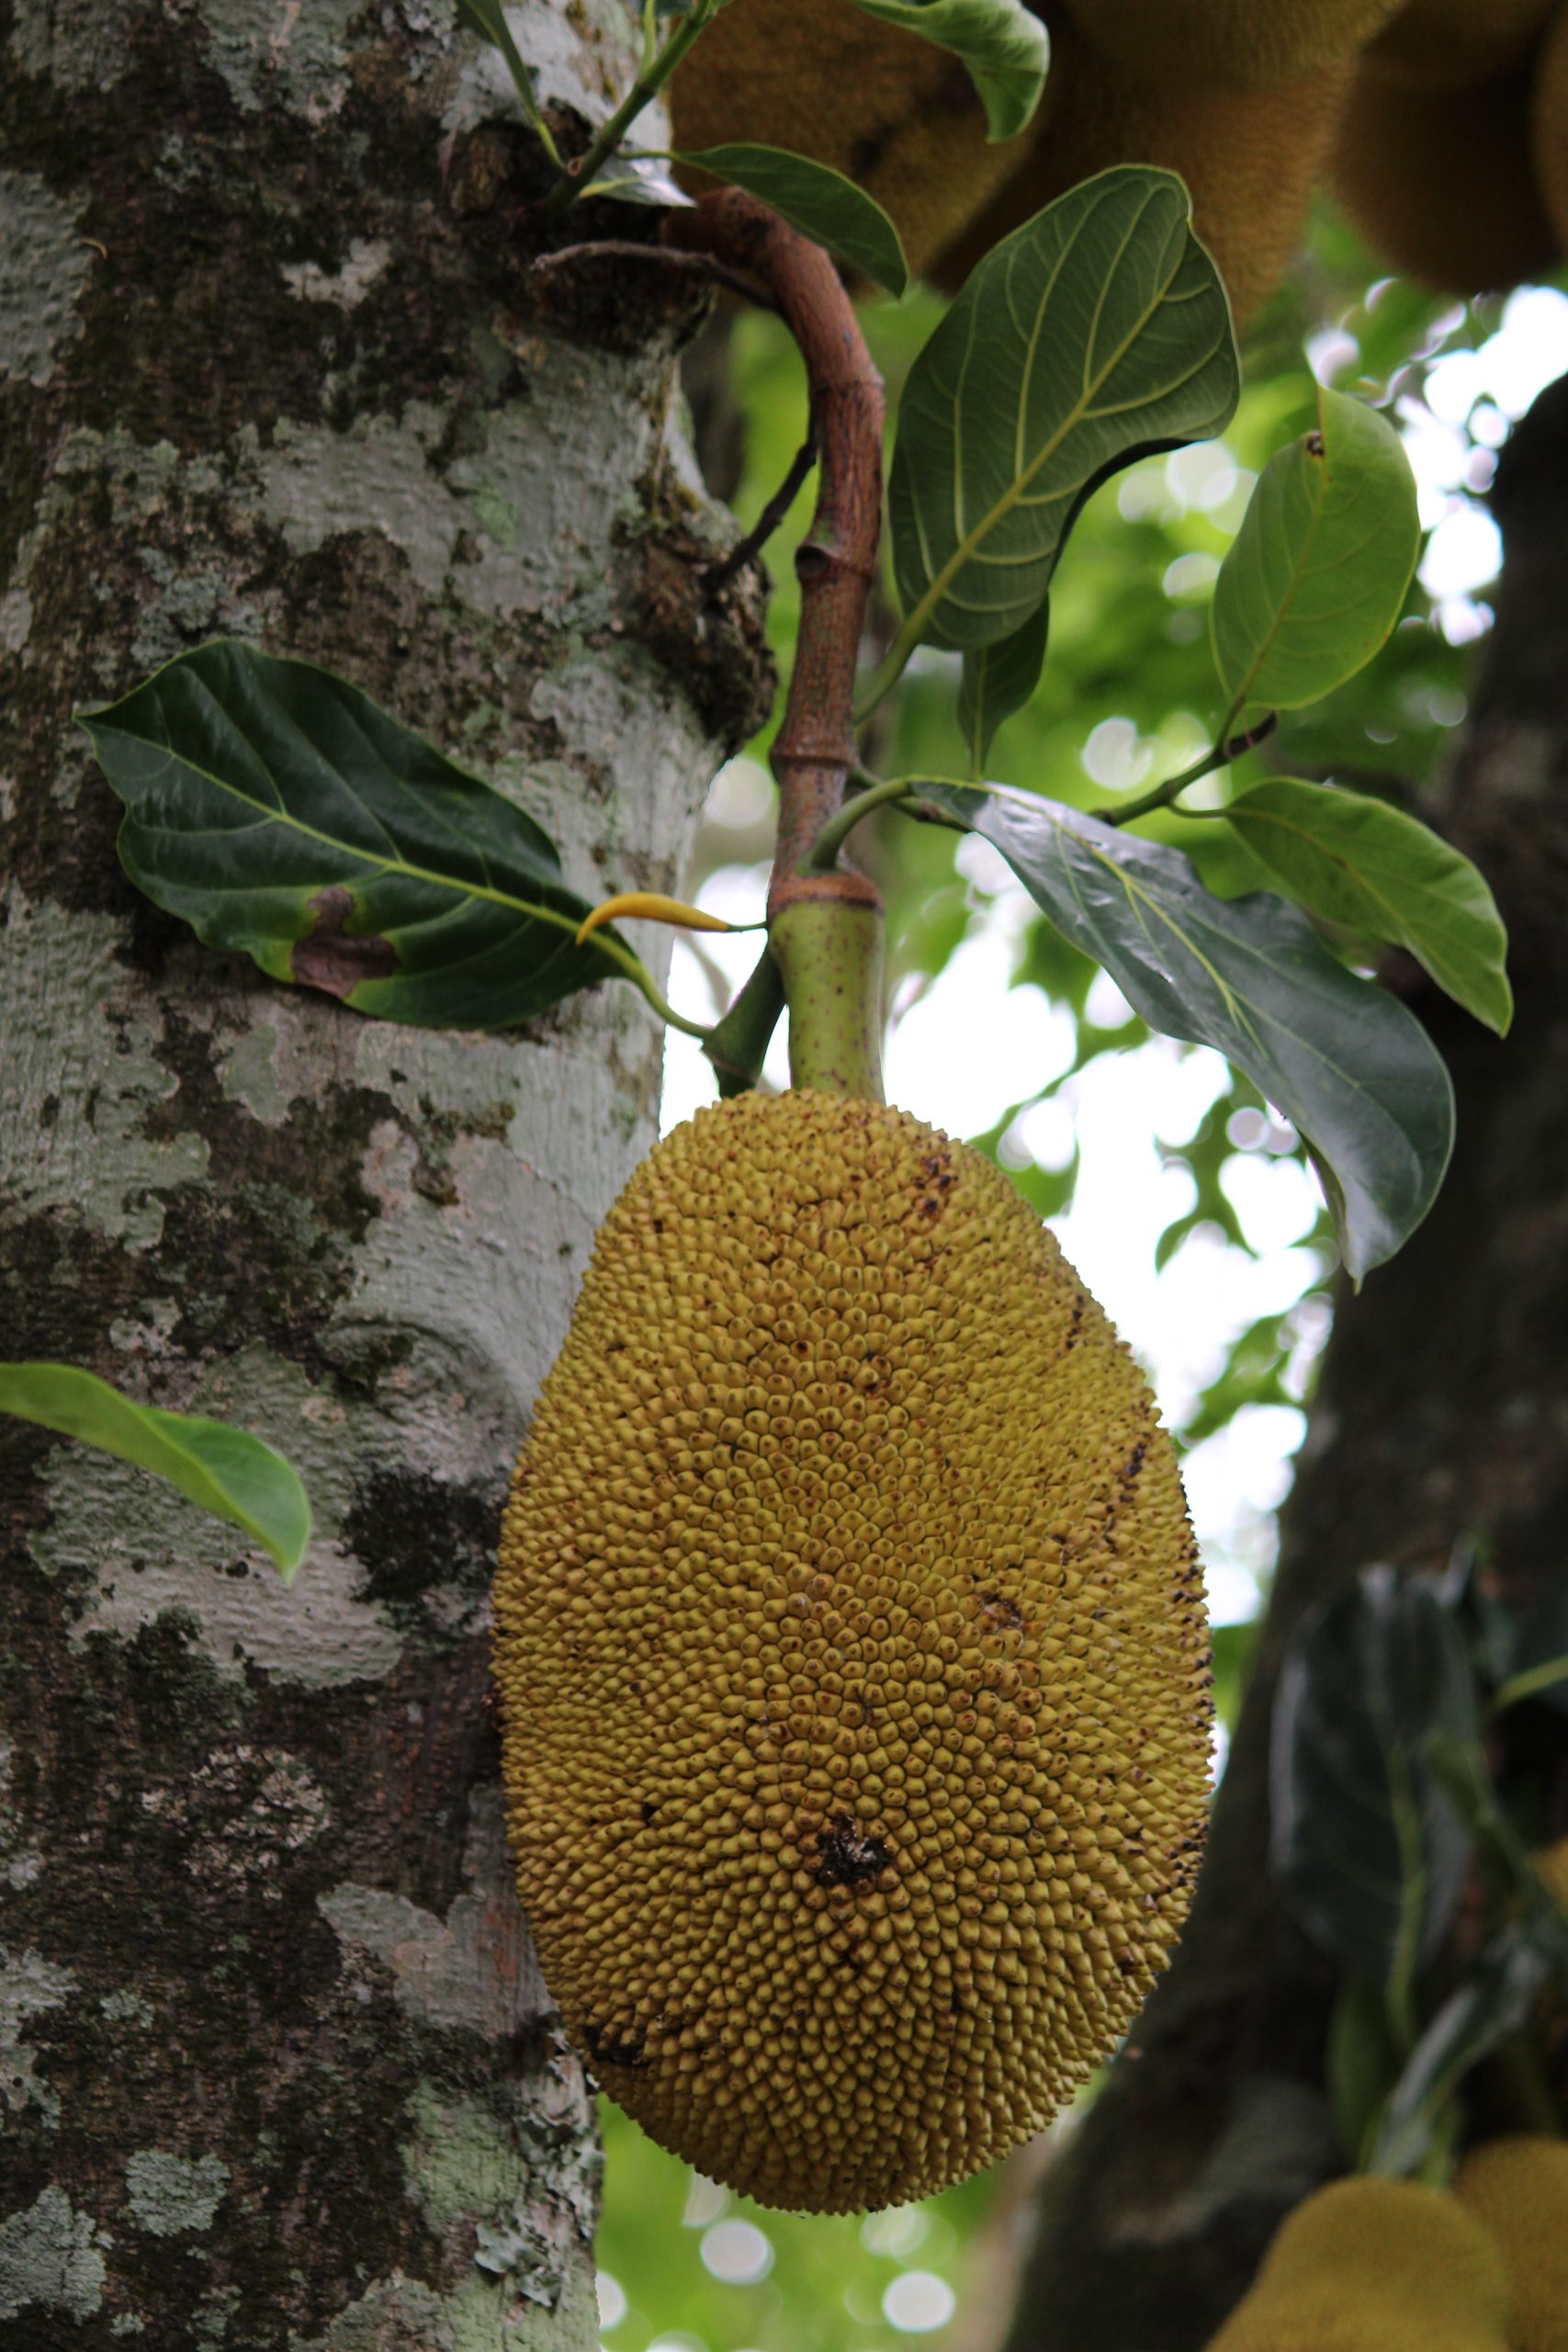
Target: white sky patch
738, 2252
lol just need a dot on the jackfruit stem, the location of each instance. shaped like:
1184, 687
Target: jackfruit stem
738, 1045
831, 962
831, 956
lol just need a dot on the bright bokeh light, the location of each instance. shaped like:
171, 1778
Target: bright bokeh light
612, 2300
738, 2252
918, 2299
901, 2231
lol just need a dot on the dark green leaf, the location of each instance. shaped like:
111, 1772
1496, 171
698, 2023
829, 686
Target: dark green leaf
1003, 44
821, 203
227, 1471
1357, 861
1494, 2001
281, 813
1461, 1765
1352, 1070
1317, 576
998, 680
1096, 332
1366, 1839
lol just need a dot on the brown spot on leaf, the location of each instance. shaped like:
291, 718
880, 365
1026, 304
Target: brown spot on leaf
328, 958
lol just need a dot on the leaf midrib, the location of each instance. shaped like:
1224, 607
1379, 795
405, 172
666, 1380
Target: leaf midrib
399, 865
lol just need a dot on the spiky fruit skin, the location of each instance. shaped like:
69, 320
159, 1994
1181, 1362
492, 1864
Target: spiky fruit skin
853, 1669
1519, 2187
891, 111
1250, 160
1375, 2265
1234, 44
1439, 182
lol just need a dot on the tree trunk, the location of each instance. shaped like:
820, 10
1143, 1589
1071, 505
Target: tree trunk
1440, 1417
278, 2067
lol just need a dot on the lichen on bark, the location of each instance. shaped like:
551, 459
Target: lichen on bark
277, 368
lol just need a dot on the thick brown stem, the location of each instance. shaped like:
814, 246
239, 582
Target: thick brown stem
836, 564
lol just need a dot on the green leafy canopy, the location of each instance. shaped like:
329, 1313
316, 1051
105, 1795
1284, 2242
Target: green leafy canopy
227, 1472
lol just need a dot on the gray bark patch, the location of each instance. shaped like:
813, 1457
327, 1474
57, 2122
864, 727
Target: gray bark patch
168, 2194
43, 266
49, 2254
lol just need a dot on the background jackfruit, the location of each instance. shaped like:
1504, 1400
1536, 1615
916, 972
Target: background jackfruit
1236, 44
1375, 2265
1519, 2187
850, 1639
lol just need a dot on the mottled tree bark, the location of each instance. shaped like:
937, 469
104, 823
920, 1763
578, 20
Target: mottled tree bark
1441, 1417
276, 2069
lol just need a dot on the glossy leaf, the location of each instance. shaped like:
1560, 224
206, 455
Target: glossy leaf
227, 1471
1366, 1839
998, 680
1352, 1070
1354, 860
1003, 44
281, 813
1096, 332
1491, 2004
1317, 576
821, 203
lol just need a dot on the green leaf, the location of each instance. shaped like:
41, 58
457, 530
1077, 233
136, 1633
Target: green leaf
1366, 1837
1096, 332
1355, 859
278, 811
998, 680
821, 203
1317, 576
1491, 2006
230, 1472
1349, 1065
1003, 44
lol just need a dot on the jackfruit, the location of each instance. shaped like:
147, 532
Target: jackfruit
1375, 2265
1237, 44
851, 1659
1439, 182
1549, 125
1519, 2187
1249, 160
893, 112
1448, 44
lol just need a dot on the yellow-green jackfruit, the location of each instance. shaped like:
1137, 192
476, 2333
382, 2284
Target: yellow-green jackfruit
1447, 44
895, 113
1519, 2187
1549, 125
850, 1641
1375, 2265
1440, 184
1235, 44
1250, 159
